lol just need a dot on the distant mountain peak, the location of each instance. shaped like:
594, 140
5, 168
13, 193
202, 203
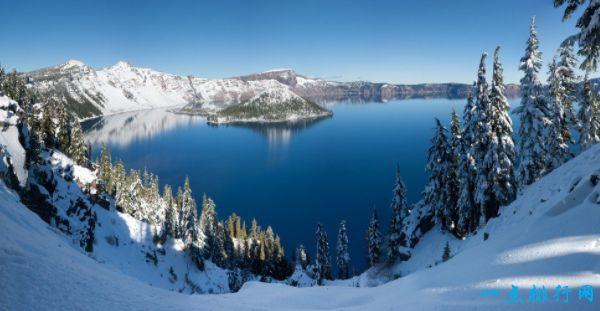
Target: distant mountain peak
121, 65
279, 70
73, 63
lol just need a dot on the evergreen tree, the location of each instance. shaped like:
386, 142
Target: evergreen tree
171, 213
187, 213
343, 257
77, 147
105, 167
439, 162
229, 249
468, 213
322, 265
481, 144
500, 156
118, 177
47, 126
567, 80
557, 131
33, 152
219, 255
447, 252
208, 226
588, 115
455, 150
373, 240
588, 38
64, 129
302, 257
455, 145
533, 115
400, 210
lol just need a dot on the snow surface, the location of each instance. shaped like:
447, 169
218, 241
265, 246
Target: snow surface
549, 236
9, 138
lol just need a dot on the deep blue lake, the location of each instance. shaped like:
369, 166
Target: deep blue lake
289, 176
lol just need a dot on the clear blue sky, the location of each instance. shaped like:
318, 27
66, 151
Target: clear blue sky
388, 41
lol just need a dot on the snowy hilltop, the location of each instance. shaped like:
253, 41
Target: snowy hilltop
276, 103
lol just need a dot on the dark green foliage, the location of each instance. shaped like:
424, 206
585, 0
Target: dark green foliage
322, 263
259, 108
400, 210
373, 240
47, 125
343, 257
447, 253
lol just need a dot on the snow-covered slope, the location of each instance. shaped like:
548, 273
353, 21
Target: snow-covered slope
122, 88
115, 89
549, 236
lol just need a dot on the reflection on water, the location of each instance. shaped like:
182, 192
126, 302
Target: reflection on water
125, 128
122, 129
278, 134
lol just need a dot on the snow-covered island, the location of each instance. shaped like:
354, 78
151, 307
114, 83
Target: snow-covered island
276, 104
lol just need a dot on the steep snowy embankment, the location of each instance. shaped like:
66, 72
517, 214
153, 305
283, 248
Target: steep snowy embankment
549, 236
9, 138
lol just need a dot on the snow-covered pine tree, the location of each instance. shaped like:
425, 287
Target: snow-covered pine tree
439, 163
188, 214
468, 213
322, 265
482, 139
500, 156
77, 148
118, 176
588, 38
47, 126
302, 257
231, 261
455, 144
343, 257
533, 112
373, 240
589, 117
64, 129
32, 152
567, 79
171, 213
128, 198
219, 256
557, 131
105, 167
400, 209
208, 226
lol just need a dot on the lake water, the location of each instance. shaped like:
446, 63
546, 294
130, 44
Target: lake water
289, 176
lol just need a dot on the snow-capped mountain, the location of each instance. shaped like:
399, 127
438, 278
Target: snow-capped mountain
118, 88
89, 92
122, 87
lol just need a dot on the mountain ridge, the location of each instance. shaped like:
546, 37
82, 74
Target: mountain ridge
90, 92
